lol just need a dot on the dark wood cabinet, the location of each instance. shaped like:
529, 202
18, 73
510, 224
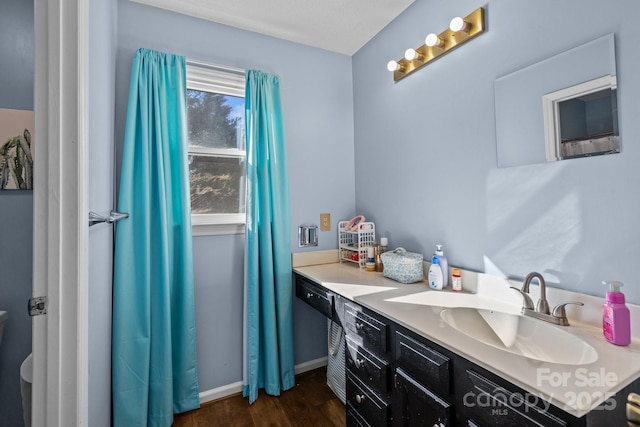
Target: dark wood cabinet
396, 377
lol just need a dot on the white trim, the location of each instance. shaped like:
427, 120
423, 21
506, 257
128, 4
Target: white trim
216, 229
220, 392
550, 110
234, 388
311, 365
60, 227
217, 224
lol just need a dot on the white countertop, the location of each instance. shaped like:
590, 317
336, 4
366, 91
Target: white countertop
574, 388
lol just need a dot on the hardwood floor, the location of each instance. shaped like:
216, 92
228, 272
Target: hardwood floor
310, 403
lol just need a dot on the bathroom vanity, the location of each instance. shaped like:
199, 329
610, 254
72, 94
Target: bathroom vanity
411, 362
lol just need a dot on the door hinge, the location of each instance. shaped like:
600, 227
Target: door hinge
37, 306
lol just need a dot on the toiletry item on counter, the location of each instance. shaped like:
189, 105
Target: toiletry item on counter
384, 244
403, 266
456, 280
616, 320
444, 265
436, 281
378, 261
371, 261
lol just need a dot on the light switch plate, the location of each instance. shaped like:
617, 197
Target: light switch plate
325, 222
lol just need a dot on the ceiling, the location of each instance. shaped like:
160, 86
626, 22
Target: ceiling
341, 26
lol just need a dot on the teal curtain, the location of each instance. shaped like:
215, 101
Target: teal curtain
268, 317
154, 366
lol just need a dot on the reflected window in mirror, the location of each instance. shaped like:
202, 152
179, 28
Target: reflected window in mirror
582, 120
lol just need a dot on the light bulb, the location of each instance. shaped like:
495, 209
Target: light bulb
432, 40
458, 24
411, 54
393, 66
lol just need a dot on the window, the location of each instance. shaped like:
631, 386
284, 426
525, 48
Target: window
582, 120
216, 138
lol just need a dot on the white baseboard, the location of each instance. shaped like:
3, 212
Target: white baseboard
311, 365
233, 388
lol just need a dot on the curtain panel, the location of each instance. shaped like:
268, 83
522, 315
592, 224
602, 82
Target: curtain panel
268, 309
154, 365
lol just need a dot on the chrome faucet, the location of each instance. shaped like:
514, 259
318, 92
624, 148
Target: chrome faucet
543, 305
559, 315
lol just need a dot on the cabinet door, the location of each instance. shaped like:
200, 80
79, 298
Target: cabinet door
418, 406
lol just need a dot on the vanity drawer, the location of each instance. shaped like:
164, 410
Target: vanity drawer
416, 405
354, 419
314, 295
373, 331
366, 365
423, 363
493, 405
366, 402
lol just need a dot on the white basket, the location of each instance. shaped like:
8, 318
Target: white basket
336, 365
353, 244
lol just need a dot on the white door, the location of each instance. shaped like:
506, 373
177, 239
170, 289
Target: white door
60, 214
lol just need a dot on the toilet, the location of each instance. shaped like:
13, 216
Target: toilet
26, 378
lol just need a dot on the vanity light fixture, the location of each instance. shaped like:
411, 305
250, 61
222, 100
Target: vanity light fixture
458, 24
432, 40
394, 66
459, 32
412, 54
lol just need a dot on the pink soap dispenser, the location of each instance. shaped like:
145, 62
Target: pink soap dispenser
616, 321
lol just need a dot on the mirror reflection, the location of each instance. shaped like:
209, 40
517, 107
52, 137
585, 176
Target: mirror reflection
564, 107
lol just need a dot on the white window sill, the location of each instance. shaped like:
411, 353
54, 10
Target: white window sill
215, 225
216, 229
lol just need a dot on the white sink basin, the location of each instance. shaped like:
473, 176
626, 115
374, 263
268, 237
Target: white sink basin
521, 335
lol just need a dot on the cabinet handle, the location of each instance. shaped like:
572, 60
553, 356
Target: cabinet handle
359, 398
309, 294
359, 363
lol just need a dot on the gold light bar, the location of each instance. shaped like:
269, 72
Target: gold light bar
472, 27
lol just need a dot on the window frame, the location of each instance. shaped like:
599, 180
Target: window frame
223, 80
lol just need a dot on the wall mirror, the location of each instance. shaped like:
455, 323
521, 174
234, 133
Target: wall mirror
563, 107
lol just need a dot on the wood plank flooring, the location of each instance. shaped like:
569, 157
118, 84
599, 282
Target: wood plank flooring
310, 403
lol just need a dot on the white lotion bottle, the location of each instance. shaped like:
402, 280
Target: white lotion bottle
444, 265
436, 281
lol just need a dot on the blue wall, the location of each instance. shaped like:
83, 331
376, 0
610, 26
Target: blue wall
317, 98
433, 134
17, 40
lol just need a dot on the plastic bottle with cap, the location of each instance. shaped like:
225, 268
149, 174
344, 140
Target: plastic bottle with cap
436, 281
616, 319
444, 265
